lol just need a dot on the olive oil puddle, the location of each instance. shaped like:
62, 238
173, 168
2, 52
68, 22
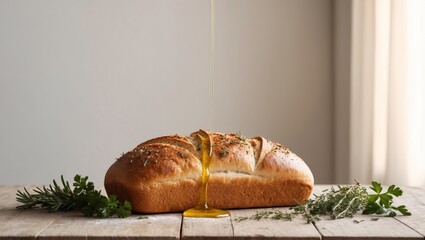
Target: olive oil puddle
202, 209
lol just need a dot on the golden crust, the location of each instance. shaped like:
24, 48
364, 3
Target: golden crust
162, 174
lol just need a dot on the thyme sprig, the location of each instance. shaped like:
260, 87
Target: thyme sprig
339, 202
268, 214
83, 197
276, 215
343, 201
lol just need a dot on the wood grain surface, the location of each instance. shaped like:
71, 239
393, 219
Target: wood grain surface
39, 224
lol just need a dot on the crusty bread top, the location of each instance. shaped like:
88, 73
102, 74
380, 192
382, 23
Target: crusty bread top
175, 158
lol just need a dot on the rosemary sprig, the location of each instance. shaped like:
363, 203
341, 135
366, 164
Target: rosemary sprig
54, 198
83, 197
343, 201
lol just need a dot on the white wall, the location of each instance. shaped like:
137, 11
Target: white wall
342, 71
83, 81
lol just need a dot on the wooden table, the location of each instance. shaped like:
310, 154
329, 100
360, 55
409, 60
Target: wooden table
38, 224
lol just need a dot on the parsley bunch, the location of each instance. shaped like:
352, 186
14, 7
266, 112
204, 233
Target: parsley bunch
83, 197
381, 203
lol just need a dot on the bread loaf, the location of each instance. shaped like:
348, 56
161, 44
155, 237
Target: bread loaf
163, 174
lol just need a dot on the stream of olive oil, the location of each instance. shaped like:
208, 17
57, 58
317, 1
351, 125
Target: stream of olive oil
202, 209
212, 42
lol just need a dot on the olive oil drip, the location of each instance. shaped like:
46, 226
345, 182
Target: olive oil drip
202, 209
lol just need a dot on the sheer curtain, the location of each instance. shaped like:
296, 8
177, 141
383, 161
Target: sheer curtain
387, 130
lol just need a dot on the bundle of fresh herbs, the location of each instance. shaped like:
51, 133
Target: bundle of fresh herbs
83, 197
340, 202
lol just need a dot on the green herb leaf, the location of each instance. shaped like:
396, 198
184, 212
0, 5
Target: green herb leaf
124, 210
402, 209
396, 191
376, 187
